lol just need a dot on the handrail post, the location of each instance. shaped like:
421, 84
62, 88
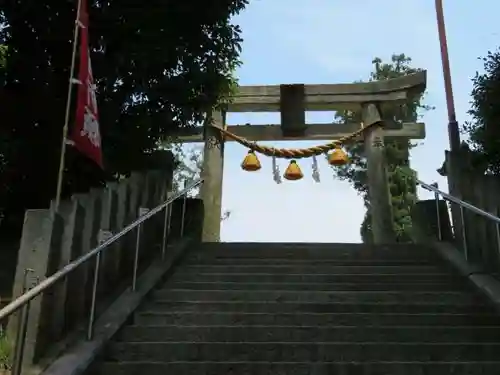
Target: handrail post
93, 301
464, 233
497, 230
22, 329
438, 213
136, 257
183, 214
166, 227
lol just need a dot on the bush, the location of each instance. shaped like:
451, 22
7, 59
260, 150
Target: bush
6, 351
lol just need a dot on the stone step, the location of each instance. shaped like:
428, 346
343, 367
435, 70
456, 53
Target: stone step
155, 318
301, 256
307, 352
315, 277
309, 334
366, 261
298, 286
444, 298
310, 269
312, 251
314, 307
300, 368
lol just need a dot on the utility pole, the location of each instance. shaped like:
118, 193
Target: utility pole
453, 132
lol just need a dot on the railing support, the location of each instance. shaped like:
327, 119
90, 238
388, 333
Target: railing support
22, 329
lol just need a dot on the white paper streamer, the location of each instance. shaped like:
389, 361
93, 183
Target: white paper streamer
315, 170
276, 171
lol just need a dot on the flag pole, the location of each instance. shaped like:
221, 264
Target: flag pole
60, 174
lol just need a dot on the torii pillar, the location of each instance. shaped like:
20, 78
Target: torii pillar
212, 172
376, 171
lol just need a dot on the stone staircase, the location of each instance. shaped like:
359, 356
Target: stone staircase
298, 309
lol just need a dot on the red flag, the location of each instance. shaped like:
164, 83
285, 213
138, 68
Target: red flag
86, 136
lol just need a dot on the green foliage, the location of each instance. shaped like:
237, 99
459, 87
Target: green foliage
3, 56
189, 165
402, 187
158, 67
6, 351
483, 130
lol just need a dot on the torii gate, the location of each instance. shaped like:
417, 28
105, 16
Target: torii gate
292, 101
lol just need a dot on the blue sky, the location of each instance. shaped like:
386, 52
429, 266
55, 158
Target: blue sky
334, 41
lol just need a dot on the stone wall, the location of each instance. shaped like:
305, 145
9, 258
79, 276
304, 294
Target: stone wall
8, 259
425, 225
478, 238
50, 240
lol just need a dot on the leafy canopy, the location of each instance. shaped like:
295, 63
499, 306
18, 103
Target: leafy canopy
158, 67
483, 130
3, 56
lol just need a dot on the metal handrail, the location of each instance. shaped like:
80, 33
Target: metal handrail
463, 205
25, 298
451, 198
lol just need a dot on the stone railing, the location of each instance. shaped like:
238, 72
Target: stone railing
50, 240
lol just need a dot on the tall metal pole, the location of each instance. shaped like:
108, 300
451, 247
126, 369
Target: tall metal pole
453, 132
60, 173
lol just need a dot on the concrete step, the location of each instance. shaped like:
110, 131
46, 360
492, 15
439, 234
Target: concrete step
304, 309
298, 286
406, 297
309, 334
388, 319
310, 269
301, 368
314, 307
193, 260
302, 352
314, 277
312, 251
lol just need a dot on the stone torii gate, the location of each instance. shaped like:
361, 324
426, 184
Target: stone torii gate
292, 101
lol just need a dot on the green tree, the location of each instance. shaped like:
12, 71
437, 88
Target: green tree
402, 186
189, 164
483, 130
158, 67
3, 56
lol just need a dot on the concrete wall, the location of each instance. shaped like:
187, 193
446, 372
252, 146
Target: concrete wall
476, 235
425, 221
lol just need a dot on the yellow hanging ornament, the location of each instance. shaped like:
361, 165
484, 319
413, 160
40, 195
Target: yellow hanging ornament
251, 163
293, 172
338, 157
